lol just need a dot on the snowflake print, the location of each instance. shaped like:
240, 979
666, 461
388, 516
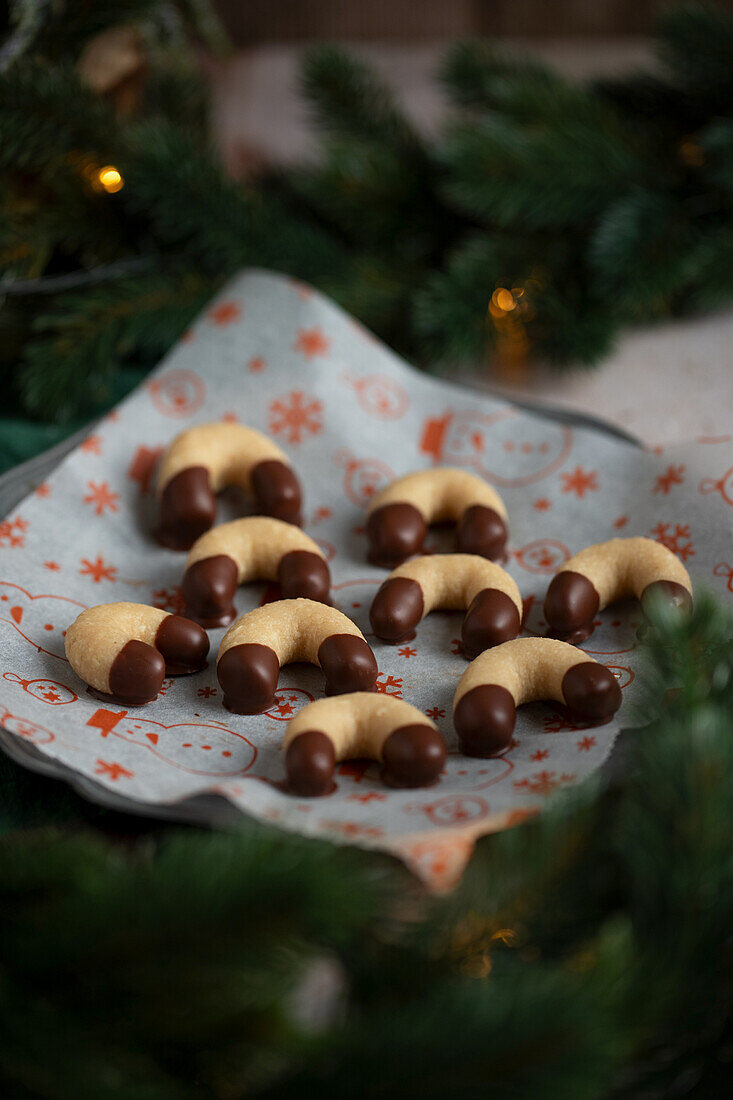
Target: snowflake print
406, 651
311, 342
672, 476
542, 504
368, 796
586, 744
675, 540
543, 782
620, 522
295, 416
225, 314
580, 482
389, 685
43, 490
92, 445
12, 533
52, 565
112, 771
101, 497
435, 712
540, 755
98, 570
206, 692
169, 599
257, 364
324, 512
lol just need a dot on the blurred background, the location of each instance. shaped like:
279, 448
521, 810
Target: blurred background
532, 197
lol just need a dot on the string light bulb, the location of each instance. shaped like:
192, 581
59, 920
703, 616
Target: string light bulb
110, 179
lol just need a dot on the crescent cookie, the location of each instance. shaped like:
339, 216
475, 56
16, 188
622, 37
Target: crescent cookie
251, 549
399, 516
256, 646
361, 724
202, 461
607, 571
500, 680
127, 649
450, 582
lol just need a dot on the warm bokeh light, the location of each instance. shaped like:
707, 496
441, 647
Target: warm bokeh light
503, 299
110, 179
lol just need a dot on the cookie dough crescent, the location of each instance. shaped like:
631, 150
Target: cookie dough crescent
256, 646
126, 649
489, 595
501, 679
202, 461
361, 724
399, 516
608, 571
254, 548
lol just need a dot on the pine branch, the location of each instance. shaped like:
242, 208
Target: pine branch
350, 103
70, 367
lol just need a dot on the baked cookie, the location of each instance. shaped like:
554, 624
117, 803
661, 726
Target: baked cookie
361, 724
202, 461
500, 680
398, 518
467, 582
250, 549
125, 650
608, 571
256, 646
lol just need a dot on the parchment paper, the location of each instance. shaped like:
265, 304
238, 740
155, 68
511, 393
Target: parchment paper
274, 354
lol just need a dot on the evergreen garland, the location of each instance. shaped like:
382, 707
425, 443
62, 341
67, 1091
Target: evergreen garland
550, 214
588, 953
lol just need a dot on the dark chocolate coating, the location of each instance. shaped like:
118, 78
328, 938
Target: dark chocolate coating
492, 618
183, 643
484, 720
137, 674
277, 491
348, 664
413, 756
571, 604
309, 762
303, 574
187, 508
395, 532
676, 595
208, 588
396, 609
248, 675
591, 692
482, 531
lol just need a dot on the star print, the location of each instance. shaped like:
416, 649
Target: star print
50, 695
256, 364
225, 313
112, 771
542, 504
43, 490
283, 708
580, 482
311, 342
620, 521
52, 565
673, 475
98, 570
101, 497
